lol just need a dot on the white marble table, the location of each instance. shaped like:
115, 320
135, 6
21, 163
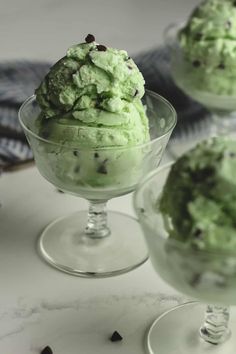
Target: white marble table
41, 306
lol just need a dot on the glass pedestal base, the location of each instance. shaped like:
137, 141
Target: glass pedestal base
177, 332
65, 246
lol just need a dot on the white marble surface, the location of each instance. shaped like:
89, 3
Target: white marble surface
39, 305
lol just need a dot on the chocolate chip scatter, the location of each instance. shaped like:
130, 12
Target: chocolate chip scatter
196, 63
101, 48
90, 38
47, 350
96, 155
116, 337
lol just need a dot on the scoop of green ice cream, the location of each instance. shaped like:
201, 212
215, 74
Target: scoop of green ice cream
91, 100
208, 42
90, 76
199, 197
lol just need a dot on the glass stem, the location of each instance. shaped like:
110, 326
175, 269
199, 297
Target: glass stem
97, 220
215, 328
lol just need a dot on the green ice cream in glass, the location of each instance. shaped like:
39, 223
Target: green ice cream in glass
94, 133
187, 212
203, 60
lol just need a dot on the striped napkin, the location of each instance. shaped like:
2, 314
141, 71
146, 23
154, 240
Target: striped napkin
18, 80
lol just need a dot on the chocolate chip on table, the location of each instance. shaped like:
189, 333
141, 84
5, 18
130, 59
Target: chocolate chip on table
101, 48
47, 350
116, 337
196, 63
90, 38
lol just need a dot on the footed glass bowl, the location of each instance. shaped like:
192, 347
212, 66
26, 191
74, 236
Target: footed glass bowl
204, 87
206, 276
96, 244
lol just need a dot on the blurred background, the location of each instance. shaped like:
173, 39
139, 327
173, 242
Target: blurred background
43, 29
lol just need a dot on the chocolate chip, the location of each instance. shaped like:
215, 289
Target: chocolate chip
136, 93
198, 36
228, 25
77, 169
96, 155
60, 191
197, 233
221, 66
101, 48
102, 169
116, 337
129, 67
128, 58
202, 175
47, 350
204, 331
196, 279
76, 153
90, 38
196, 63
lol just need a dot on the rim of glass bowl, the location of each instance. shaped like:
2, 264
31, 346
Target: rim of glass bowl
173, 39
145, 220
154, 94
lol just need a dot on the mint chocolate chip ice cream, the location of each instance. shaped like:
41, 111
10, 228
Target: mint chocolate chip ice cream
92, 118
208, 42
199, 197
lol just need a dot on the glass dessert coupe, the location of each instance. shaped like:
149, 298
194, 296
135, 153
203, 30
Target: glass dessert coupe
222, 108
207, 276
97, 243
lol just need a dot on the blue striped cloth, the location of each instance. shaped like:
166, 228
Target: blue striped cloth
18, 80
